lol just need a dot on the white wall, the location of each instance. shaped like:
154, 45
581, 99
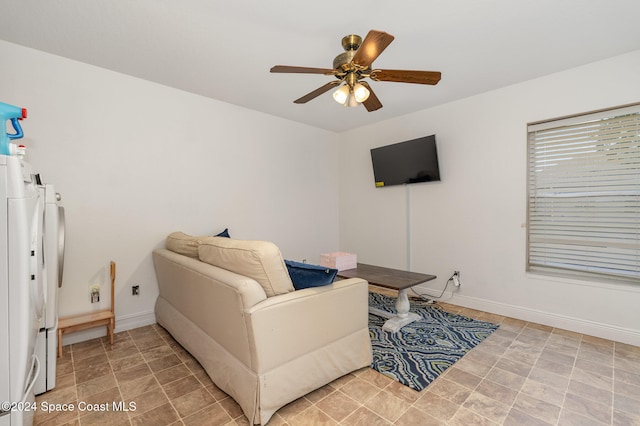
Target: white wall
135, 161
473, 220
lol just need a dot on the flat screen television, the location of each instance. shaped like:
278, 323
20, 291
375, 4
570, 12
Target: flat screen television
406, 162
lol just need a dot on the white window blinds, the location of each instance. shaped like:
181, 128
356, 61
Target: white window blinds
584, 194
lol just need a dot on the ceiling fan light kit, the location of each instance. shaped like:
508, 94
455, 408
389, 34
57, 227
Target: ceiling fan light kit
351, 96
360, 92
354, 65
342, 94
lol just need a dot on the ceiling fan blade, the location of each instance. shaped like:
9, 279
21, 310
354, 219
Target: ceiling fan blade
406, 76
373, 45
372, 103
303, 70
319, 91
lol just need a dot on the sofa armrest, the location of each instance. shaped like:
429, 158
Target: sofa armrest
286, 326
211, 298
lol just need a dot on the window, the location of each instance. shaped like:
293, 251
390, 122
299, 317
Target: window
584, 195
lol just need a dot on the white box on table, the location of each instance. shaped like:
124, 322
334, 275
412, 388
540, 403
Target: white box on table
339, 260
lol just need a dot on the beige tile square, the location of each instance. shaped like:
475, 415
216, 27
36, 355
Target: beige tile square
482, 357
602, 396
450, 390
149, 341
312, 416
518, 418
630, 366
86, 345
193, 401
360, 390
466, 417
164, 362
149, 400
212, 415
364, 416
172, 373
627, 405
92, 373
104, 418
537, 408
559, 357
497, 392
94, 386
627, 390
157, 352
91, 361
506, 378
387, 406
541, 375
522, 354
182, 386
147, 330
372, 376
131, 389
406, 393
543, 391
622, 418
129, 361
132, 373
555, 367
437, 406
596, 354
338, 405
62, 381
462, 377
160, 416
413, 417
470, 366
55, 418
129, 349
487, 407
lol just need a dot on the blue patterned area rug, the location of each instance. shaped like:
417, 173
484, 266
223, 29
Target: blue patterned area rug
417, 354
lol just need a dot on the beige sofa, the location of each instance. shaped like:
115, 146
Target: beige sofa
232, 305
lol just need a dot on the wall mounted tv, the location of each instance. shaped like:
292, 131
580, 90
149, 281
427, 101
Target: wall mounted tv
406, 162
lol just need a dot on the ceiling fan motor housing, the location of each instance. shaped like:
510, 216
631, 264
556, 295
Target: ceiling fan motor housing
343, 61
350, 44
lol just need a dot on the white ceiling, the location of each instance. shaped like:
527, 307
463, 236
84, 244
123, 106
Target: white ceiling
224, 49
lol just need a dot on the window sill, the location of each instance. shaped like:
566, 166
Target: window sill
609, 284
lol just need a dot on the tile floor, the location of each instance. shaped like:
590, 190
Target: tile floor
523, 374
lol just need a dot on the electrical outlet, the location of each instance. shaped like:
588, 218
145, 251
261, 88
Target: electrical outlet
456, 278
95, 293
135, 290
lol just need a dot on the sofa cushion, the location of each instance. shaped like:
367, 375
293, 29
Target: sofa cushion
259, 260
304, 275
187, 245
184, 244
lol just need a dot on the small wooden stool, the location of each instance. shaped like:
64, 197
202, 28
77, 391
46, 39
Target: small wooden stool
93, 319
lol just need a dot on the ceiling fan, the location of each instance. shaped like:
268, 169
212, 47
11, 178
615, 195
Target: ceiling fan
354, 65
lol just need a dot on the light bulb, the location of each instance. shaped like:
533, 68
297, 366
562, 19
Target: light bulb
352, 101
342, 94
360, 92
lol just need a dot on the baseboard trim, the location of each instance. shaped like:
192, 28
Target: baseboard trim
591, 328
123, 323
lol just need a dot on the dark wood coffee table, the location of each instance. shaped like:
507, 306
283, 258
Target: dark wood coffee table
394, 279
